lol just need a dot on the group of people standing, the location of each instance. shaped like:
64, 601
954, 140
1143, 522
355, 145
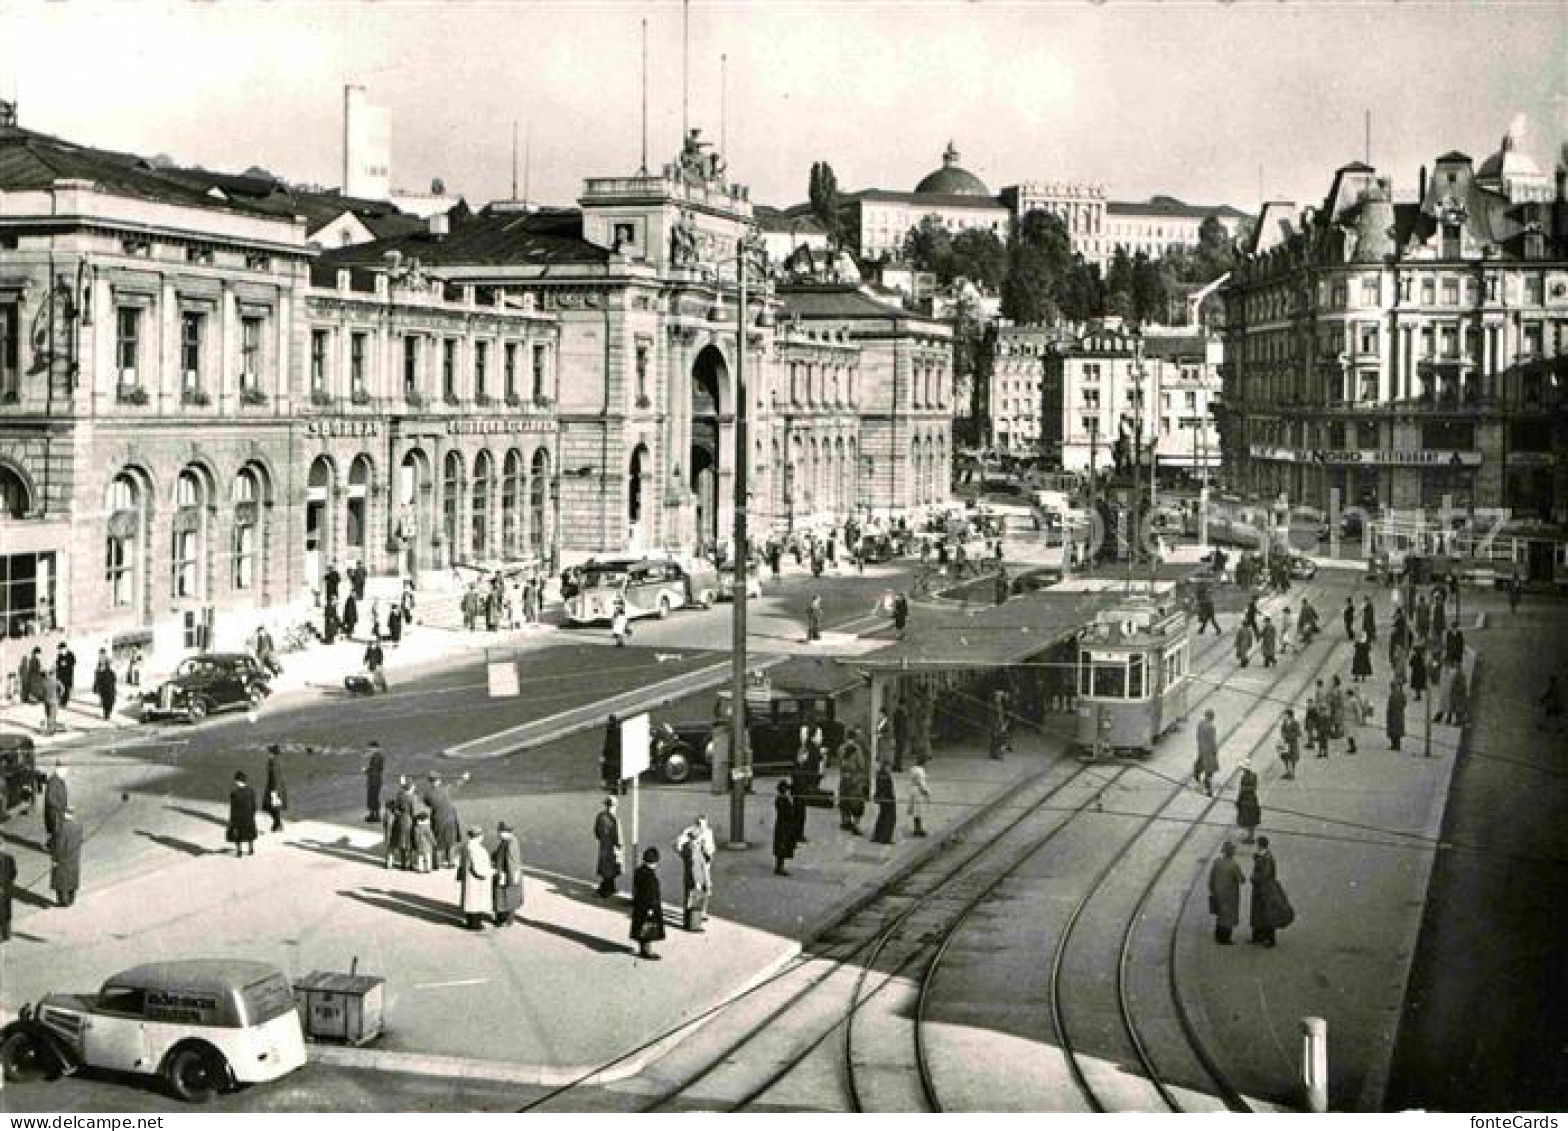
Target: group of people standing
499, 603
696, 848
52, 683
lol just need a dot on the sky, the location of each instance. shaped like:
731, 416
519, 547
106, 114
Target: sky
1202, 101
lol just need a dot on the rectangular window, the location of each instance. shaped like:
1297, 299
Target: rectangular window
1368, 389
250, 353
1367, 340
1369, 291
27, 605
318, 361
1530, 339
449, 369
1450, 292
128, 345
539, 372
1533, 291
1448, 436
244, 556
1091, 372
356, 365
193, 330
1366, 435
185, 547
411, 365
481, 370
1449, 337
510, 368
1429, 291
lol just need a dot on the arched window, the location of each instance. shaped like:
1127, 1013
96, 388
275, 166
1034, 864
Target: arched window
538, 484
244, 497
190, 528
479, 518
356, 505
13, 494
511, 516
451, 488
124, 506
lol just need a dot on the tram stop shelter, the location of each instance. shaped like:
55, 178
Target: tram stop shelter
948, 646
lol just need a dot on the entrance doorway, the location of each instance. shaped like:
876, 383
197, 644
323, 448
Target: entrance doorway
318, 535
709, 378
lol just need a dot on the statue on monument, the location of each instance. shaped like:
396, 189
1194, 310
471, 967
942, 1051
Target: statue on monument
683, 241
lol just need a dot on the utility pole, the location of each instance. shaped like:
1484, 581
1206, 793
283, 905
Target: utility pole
740, 748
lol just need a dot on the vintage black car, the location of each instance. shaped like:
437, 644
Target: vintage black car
20, 781
811, 694
212, 681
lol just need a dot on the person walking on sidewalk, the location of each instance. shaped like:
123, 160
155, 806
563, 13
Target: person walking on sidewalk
49, 688
242, 817
329, 585
1515, 591
1225, 880
373, 769
619, 627
1207, 763
607, 835
814, 619
1348, 615
1361, 661
1368, 620
900, 612
1271, 910
1287, 631
887, 805
1206, 610
1398, 640
1417, 669
786, 827
1338, 715
1308, 622
375, 664
65, 859
350, 617
1394, 714
1249, 814
1454, 646
65, 672
1243, 644
275, 797
695, 847
474, 875
405, 807
356, 579
919, 800
1290, 743
1269, 638
854, 781
105, 684
445, 825
33, 676
57, 799
1250, 617
507, 860
648, 905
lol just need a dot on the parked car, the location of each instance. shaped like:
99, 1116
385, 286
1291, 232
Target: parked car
20, 781
203, 1025
648, 586
212, 681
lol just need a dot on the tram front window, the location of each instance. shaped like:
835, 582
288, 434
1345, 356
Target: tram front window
1108, 680
1135, 678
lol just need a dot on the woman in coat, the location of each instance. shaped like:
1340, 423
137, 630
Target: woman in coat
242, 817
648, 904
887, 806
1361, 662
1249, 814
1417, 671
1271, 911
104, 681
1243, 644
474, 872
786, 828
400, 840
507, 859
395, 623
1394, 715
919, 799
1225, 880
607, 833
276, 798
350, 616
854, 782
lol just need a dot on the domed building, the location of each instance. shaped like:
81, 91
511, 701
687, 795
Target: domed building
1514, 174
877, 220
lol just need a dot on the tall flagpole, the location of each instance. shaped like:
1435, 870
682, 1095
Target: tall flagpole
685, 65
643, 168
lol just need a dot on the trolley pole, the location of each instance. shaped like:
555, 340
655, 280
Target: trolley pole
740, 752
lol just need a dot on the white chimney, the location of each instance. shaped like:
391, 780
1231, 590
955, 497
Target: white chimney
440, 226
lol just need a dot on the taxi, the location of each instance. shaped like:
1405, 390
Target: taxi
202, 1025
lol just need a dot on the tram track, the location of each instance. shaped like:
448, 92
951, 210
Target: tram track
769, 1048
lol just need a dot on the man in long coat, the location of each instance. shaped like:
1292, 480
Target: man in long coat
1225, 880
786, 827
607, 834
508, 862
375, 768
1269, 638
696, 850
65, 671
65, 859
1369, 619
1208, 760
241, 829
350, 615
1271, 911
400, 837
445, 824
887, 805
854, 782
276, 800
648, 904
1243, 644
57, 797
1394, 717
474, 873
329, 583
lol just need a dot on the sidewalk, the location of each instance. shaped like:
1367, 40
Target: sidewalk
539, 1002
1355, 838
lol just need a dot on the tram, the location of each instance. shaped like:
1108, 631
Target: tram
1133, 675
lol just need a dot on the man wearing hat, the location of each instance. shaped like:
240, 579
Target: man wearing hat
375, 767
65, 858
444, 822
508, 862
474, 873
695, 847
607, 832
56, 799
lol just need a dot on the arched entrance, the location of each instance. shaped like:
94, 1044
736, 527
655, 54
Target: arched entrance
709, 377
511, 505
636, 488
451, 507
479, 515
413, 489
356, 510
16, 497
318, 533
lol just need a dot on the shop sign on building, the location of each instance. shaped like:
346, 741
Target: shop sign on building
495, 425
334, 427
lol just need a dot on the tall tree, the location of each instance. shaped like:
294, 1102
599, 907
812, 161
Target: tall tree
1118, 284
974, 254
1039, 259
822, 191
1082, 293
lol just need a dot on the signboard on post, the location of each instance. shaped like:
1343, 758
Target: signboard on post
635, 740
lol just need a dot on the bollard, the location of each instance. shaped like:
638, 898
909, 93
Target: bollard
1314, 1063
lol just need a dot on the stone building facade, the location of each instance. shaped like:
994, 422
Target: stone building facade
1400, 354
190, 427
